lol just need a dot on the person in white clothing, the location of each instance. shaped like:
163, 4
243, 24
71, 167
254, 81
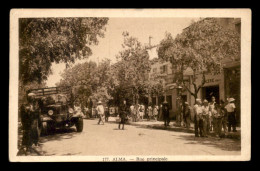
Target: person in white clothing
205, 117
155, 112
141, 111
100, 111
132, 112
230, 107
211, 118
198, 122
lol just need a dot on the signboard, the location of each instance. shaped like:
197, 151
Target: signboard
211, 80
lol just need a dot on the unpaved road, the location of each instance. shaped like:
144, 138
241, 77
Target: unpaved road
108, 140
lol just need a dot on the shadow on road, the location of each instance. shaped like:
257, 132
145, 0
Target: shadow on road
59, 134
226, 144
223, 143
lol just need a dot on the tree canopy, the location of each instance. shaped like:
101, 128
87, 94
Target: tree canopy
133, 68
43, 41
201, 46
89, 81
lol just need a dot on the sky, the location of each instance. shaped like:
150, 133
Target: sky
111, 44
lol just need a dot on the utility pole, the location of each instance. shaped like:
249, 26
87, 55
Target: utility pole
150, 41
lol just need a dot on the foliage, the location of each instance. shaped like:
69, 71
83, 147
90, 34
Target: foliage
24, 88
43, 41
89, 81
133, 68
201, 46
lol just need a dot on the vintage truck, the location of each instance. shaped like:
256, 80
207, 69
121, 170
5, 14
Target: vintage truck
57, 109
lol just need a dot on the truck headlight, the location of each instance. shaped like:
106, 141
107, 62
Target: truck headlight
50, 112
71, 111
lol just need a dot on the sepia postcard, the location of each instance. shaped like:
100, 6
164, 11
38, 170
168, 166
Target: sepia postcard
130, 85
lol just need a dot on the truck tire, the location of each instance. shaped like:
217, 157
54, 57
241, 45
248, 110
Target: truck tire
79, 125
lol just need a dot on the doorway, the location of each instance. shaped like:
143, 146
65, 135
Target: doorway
210, 91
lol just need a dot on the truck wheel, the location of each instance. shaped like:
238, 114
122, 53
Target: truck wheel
79, 125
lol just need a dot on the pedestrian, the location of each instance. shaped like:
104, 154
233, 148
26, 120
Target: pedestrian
179, 111
123, 111
155, 112
150, 111
85, 111
224, 118
137, 115
217, 115
166, 113
198, 122
211, 118
106, 114
160, 117
30, 119
132, 112
187, 115
231, 115
141, 112
100, 112
205, 117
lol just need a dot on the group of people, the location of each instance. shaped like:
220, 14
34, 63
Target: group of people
214, 117
123, 114
208, 116
137, 112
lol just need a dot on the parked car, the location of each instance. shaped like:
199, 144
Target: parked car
57, 109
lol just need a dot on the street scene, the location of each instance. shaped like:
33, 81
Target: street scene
104, 86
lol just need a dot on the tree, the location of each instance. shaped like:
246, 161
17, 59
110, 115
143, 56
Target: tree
133, 69
89, 81
43, 41
82, 80
201, 47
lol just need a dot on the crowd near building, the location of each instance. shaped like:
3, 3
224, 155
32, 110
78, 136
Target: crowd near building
221, 86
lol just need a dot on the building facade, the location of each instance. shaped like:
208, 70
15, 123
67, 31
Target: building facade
221, 86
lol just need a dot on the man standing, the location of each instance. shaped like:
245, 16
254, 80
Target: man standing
30, 118
198, 124
211, 118
100, 111
231, 115
217, 115
141, 111
137, 116
224, 117
106, 114
205, 117
132, 111
186, 114
123, 114
150, 111
155, 112
166, 114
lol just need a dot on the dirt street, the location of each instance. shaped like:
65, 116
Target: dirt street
108, 140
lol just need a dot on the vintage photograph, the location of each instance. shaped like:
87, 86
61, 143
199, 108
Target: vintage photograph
130, 85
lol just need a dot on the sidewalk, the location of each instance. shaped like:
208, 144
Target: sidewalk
160, 125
